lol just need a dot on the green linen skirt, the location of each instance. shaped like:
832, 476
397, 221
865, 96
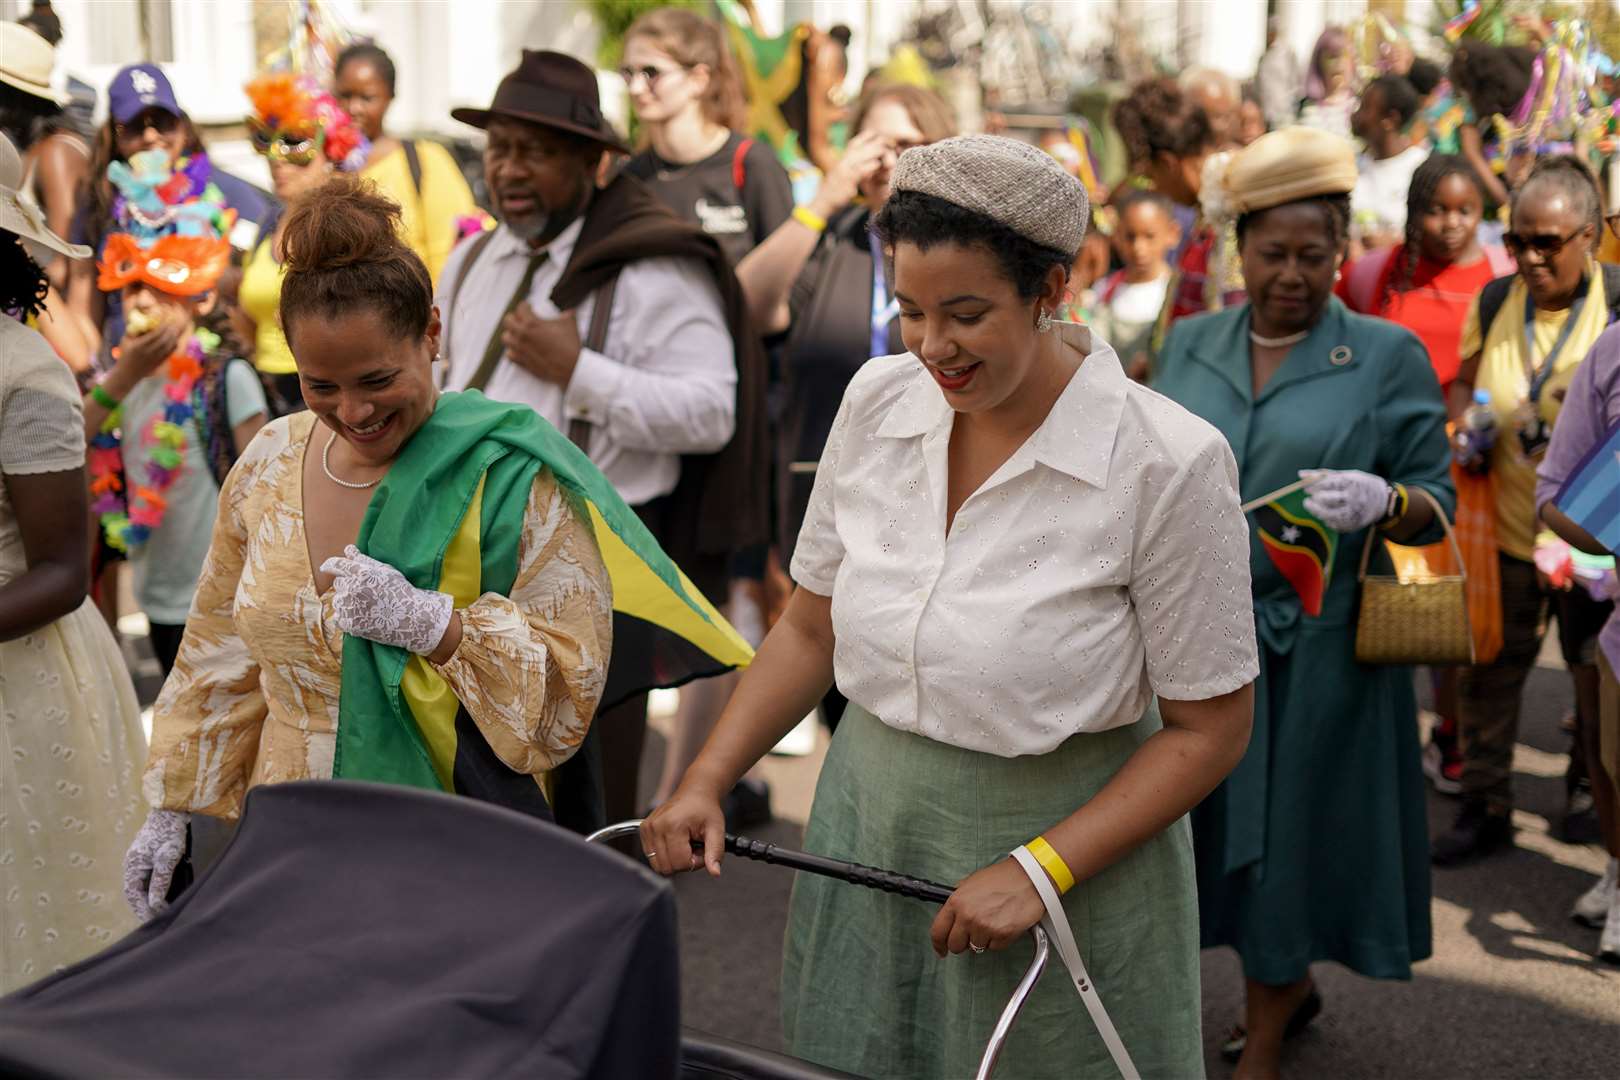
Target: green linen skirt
862, 989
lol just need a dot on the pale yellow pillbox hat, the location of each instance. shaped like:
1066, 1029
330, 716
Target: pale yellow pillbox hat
1284, 166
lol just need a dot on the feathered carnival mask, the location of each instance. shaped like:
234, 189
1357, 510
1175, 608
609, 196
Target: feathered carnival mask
295, 121
172, 224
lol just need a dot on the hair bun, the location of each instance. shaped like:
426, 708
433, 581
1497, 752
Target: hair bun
343, 223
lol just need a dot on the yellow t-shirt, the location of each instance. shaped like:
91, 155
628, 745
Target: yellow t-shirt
1502, 374
260, 297
429, 219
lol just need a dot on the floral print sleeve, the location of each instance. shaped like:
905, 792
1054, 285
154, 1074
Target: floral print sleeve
207, 721
531, 667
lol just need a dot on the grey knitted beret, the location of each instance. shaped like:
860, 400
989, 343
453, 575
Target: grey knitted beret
1019, 185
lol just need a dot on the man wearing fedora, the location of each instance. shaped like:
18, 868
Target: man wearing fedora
622, 325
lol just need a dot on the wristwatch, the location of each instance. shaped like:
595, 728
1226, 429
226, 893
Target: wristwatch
1395, 509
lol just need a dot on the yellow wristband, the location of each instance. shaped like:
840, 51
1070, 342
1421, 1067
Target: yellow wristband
1052, 863
809, 219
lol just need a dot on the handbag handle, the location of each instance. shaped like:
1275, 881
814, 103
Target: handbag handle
1451, 537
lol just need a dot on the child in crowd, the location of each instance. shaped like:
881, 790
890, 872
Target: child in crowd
170, 418
1129, 300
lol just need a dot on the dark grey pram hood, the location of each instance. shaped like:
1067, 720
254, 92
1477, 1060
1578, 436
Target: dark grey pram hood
355, 930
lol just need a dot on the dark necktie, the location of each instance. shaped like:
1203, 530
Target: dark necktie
493, 350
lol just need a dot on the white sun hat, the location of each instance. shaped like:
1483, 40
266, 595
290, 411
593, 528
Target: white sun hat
26, 60
18, 215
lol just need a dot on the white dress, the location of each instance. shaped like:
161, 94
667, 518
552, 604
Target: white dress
70, 729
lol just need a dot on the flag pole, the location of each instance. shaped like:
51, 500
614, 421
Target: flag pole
1255, 504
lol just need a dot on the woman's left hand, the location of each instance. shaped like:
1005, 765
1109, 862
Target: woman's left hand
990, 909
373, 600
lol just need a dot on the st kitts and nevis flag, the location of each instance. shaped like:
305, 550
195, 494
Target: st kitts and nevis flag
1299, 545
1591, 495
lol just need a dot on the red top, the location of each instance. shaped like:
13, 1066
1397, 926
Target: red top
1434, 308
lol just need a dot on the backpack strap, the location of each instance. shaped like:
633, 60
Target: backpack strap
739, 164
579, 429
475, 248
413, 161
1366, 274
1491, 299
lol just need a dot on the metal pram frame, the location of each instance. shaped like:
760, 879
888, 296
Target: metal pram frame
887, 881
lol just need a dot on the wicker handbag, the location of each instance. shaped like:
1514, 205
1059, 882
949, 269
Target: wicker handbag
1414, 622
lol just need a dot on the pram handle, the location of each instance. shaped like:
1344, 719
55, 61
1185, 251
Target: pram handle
884, 881
871, 877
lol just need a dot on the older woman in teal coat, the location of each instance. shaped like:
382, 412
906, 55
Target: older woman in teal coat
1316, 847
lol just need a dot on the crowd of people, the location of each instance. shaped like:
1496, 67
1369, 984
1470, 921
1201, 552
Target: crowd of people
1053, 500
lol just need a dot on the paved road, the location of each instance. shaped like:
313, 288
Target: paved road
1512, 989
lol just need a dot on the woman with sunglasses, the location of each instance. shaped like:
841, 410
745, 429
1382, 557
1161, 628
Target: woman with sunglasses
306, 135
142, 114
1523, 341
418, 174
688, 98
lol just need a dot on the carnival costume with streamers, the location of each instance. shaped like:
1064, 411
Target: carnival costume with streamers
1564, 110
173, 241
293, 117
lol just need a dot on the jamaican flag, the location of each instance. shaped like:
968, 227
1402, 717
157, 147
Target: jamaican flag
772, 69
1300, 546
449, 516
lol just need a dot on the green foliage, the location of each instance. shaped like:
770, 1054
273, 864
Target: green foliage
615, 17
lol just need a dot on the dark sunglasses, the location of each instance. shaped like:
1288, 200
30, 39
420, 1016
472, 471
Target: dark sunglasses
159, 120
650, 73
1546, 246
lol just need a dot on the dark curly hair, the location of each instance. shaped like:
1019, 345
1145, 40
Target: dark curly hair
1493, 77
1335, 208
910, 217
22, 280
1160, 117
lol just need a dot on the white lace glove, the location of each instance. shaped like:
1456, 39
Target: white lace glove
1345, 499
372, 600
149, 864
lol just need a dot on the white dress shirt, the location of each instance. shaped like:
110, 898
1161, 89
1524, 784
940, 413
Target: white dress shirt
1107, 560
664, 384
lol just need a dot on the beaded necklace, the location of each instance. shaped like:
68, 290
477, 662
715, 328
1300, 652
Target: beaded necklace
128, 516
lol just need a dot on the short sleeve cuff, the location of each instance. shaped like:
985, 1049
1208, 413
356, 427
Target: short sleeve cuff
1205, 689
594, 387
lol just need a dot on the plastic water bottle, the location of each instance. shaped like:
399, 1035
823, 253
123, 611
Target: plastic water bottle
1476, 434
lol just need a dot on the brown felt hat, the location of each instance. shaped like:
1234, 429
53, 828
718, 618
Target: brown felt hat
553, 90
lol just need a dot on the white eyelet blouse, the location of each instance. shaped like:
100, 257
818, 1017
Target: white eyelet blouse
1106, 561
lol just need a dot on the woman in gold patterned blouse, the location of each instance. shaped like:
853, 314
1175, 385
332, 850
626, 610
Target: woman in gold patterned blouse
469, 642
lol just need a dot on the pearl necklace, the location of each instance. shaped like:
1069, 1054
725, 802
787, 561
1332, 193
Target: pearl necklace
326, 467
1278, 342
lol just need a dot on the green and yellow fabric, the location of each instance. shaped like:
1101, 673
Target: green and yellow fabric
449, 516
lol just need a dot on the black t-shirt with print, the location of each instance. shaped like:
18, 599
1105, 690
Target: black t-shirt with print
706, 194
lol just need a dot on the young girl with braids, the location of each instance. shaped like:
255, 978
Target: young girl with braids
1426, 282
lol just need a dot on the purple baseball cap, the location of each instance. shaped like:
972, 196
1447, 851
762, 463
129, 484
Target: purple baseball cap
137, 88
